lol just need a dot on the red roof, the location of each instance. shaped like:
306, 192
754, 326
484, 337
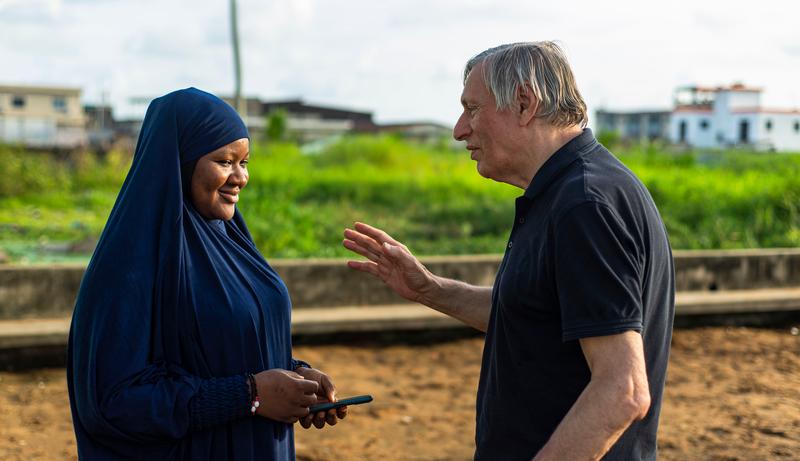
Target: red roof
739, 87
763, 110
698, 108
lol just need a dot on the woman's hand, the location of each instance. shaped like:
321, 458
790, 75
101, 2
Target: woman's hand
325, 393
285, 395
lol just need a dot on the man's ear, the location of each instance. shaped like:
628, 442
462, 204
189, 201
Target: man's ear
527, 105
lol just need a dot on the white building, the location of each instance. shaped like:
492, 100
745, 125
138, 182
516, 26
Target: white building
732, 116
42, 117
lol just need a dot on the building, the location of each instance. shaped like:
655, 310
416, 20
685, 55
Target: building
730, 116
101, 131
305, 122
422, 132
42, 117
710, 117
636, 125
309, 123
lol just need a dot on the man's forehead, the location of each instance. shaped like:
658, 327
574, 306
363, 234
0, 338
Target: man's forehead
474, 86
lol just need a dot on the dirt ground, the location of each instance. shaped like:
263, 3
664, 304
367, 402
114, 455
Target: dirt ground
732, 394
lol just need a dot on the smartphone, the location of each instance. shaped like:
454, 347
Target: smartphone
357, 400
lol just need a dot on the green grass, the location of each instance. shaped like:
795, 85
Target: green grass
297, 204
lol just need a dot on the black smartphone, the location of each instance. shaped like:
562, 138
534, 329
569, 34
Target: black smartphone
357, 400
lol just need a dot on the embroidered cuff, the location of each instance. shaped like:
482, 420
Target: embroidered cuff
220, 401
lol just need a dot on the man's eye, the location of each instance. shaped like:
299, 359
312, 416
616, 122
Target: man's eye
224, 162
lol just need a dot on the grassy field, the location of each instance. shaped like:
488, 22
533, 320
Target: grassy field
52, 207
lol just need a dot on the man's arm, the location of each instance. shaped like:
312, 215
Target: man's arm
617, 395
393, 263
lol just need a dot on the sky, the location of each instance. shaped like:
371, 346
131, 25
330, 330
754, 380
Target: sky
401, 60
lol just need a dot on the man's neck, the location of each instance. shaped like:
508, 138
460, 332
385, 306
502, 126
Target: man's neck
546, 142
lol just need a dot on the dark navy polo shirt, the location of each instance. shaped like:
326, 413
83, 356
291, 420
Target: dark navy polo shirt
588, 256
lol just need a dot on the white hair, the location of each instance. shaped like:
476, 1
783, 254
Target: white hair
541, 66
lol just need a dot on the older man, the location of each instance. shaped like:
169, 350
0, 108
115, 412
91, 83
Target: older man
579, 320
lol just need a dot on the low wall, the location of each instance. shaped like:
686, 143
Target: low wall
49, 291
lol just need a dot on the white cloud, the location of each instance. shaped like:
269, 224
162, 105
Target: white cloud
400, 59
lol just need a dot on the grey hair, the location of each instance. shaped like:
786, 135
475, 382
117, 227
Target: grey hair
544, 68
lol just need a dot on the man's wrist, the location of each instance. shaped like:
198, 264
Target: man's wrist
434, 292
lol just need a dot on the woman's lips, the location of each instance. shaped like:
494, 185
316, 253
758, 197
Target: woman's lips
229, 196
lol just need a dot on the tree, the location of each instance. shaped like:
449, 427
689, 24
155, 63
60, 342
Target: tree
276, 125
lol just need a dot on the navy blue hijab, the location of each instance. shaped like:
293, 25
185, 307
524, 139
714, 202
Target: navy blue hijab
174, 310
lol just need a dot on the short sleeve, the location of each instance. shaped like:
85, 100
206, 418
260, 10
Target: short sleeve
598, 273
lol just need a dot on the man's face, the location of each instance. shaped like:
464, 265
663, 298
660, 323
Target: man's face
218, 177
489, 134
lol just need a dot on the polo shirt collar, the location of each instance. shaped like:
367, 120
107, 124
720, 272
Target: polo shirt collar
557, 162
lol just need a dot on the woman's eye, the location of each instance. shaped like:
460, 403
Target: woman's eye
224, 162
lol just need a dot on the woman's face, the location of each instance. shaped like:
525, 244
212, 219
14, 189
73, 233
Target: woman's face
217, 179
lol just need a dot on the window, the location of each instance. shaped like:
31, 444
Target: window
18, 101
59, 104
797, 126
768, 125
704, 124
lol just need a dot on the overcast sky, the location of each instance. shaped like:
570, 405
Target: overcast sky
401, 60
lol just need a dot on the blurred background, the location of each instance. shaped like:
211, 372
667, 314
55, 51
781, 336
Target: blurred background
351, 107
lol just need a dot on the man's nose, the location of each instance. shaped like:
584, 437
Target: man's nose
462, 129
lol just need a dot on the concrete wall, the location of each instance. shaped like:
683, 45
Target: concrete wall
49, 291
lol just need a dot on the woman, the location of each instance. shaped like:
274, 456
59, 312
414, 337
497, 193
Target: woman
180, 345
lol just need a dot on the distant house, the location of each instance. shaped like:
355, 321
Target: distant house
711, 117
425, 132
42, 117
635, 125
101, 130
305, 122
308, 123
732, 116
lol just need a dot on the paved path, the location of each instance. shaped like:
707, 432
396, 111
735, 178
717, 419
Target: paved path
27, 333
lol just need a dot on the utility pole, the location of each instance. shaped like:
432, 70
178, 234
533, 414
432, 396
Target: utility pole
237, 64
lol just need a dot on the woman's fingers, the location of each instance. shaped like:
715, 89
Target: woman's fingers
331, 417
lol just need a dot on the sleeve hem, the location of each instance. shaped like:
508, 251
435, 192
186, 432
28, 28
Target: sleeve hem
602, 329
220, 401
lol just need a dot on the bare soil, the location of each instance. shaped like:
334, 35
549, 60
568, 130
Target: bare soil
732, 394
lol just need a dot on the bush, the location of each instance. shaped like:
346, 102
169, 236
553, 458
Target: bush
297, 204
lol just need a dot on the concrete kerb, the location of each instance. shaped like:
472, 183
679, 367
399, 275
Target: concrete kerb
744, 286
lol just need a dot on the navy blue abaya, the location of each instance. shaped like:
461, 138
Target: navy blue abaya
174, 310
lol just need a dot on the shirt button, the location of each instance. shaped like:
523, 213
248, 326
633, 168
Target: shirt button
510, 244
522, 220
